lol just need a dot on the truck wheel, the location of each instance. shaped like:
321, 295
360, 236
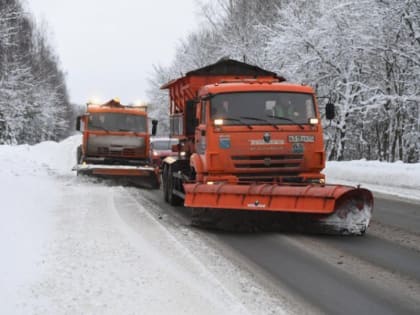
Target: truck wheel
165, 182
79, 155
173, 199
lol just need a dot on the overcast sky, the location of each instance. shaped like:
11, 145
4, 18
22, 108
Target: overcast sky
108, 47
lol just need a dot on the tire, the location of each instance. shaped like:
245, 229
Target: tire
79, 154
165, 182
78, 157
173, 199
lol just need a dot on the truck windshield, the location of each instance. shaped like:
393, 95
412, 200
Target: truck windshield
117, 122
262, 108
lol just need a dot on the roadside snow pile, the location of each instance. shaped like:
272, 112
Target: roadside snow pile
28, 195
43, 158
397, 178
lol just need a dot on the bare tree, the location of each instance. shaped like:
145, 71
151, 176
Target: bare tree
364, 56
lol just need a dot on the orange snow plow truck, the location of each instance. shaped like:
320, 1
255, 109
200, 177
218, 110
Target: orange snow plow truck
116, 144
252, 143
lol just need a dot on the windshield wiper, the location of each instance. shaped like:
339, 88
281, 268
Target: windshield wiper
260, 119
288, 119
237, 119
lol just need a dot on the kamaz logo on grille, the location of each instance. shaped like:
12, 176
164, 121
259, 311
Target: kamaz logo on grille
262, 142
267, 137
256, 204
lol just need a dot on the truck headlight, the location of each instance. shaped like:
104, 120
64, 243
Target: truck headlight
313, 121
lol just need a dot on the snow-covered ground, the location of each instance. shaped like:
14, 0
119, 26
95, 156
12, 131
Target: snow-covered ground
76, 246
397, 179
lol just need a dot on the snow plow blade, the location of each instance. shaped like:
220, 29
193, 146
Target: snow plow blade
136, 175
331, 209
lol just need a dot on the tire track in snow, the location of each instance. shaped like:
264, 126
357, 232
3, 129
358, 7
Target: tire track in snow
384, 281
386, 278
230, 275
165, 247
96, 264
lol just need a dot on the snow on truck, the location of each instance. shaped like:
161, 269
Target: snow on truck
250, 142
116, 144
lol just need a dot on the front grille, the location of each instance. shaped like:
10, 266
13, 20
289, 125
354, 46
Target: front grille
126, 152
287, 161
116, 146
269, 178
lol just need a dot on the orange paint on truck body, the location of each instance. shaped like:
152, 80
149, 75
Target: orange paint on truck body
116, 142
249, 141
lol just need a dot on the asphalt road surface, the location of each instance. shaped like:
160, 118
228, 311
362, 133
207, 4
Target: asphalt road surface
378, 273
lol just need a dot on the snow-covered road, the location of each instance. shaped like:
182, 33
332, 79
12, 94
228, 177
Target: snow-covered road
72, 245
76, 246
96, 264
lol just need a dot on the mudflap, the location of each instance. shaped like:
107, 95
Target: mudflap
329, 209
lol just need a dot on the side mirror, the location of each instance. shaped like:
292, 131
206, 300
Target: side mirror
330, 111
78, 122
154, 127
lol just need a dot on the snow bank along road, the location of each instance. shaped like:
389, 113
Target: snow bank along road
73, 245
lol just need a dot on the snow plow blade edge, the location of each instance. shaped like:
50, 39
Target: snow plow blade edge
334, 209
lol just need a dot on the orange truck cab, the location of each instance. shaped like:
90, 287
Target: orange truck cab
116, 143
250, 141
259, 136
